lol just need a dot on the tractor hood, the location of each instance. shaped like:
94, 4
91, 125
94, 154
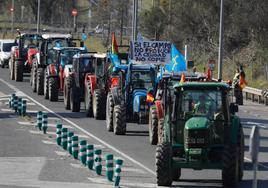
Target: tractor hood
138, 94
197, 123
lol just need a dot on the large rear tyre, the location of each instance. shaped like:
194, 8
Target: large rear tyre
88, 100
109, 112
119, 120
163, 164
18, 71
68, 84
241, 146
75, 99
230, 171
153, 126
53, 89
99, 104
40, 81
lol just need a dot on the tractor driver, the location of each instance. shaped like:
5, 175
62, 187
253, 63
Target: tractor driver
203, 106
138, 81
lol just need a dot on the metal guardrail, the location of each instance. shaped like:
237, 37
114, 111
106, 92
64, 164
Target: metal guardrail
256, 95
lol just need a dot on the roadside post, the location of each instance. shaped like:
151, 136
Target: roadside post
254, 143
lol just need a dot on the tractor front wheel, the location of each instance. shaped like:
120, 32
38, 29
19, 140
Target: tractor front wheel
75, 99
53, 89
40, 81
68, 84
18, 71
46, 93
163, 165
33, 77
99, 104
109, 112
153, 123
119, 120
88, 100
11, 69
230, 171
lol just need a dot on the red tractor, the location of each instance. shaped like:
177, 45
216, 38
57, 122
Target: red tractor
22, 55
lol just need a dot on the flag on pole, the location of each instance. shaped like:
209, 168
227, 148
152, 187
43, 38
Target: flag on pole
242, 82
177, 63
149, 98
114, 44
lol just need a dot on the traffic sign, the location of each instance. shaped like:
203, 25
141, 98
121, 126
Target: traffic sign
74, 12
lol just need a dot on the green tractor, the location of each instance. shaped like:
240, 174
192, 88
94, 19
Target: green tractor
199, 130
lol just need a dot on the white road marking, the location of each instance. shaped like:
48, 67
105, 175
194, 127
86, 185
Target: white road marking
28, 104
4, 98
75, 165
259, 163
61, 153
135, 170
48, 142
83, 130
7, 110
49, 124
261, 125
123, 183
41, 132
99, 146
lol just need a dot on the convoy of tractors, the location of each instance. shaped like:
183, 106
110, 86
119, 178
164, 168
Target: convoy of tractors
190, 118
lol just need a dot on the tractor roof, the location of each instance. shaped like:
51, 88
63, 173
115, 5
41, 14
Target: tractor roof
69, 48
142, 67
202, 85
56, 35
85, 55
191, 76
100, 55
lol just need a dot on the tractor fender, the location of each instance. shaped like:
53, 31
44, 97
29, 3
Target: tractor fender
65, 73
92, 80
235, 129
115, 81
30, 54
159, 109
15, 51
137, 96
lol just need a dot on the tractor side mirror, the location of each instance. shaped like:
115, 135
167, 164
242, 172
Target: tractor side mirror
233, 108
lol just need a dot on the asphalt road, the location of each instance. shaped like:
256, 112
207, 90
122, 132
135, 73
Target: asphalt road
134, 147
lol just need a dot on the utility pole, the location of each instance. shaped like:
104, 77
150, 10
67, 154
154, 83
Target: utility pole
12, 17
38, 18
135, 20
22, 13
220, 42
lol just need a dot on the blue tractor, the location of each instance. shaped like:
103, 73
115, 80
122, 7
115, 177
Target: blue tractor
130, 104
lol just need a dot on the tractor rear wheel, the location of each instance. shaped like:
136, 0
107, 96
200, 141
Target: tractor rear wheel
99, 104
75, 99
153, 123
33, 77
163, 164
46, 92
241, 146
109, 112
11, 69
18, 71
119, 120
230, 171
68, 84
88, 100
53, 89
40, 81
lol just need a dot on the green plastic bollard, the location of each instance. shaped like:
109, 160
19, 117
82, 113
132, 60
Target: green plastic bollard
44, 122
58, 133
97, 161
64, 138
15, 104
109, 166
11, 100
69, 142
20, 106
39, 120
82, 151
117, 171
24, 107
75, 146
90, 155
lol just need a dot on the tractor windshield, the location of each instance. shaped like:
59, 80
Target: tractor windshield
86, 65
66, 56
30, 41
142, 79
201, 103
